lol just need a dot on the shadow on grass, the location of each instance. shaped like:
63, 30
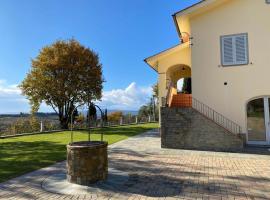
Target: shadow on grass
17, 158
123, 130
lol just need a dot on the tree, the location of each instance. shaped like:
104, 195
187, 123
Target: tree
92, 113
144, 111
151, 108
105, 116
115, 116
155, 90
75, 113
62, 75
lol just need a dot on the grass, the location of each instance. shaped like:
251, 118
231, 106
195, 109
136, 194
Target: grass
23, 154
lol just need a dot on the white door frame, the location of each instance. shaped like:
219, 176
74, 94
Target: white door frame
267, 125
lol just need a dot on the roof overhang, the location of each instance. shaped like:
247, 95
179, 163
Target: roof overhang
197, 8
152, 61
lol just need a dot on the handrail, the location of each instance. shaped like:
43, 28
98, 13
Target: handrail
170, 94
218, 118
208, 112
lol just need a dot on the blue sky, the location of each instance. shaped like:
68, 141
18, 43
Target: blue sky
123, 32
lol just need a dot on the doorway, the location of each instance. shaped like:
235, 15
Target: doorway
258, 123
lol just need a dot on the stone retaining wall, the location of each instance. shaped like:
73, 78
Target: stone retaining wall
185, 128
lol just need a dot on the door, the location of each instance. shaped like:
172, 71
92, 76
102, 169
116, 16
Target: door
258, 123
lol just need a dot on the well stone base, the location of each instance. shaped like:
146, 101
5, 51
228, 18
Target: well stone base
87, 162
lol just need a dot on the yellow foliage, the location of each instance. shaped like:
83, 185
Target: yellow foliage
115, 116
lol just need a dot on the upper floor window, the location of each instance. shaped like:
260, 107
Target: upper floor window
234, 49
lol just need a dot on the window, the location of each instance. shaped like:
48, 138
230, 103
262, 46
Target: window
234, 50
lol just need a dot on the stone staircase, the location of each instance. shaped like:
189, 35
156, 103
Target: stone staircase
186, 128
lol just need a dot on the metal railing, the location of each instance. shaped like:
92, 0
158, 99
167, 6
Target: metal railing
218, 118
208, 112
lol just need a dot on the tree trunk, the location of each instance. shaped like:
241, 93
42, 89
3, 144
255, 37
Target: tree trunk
63, 122
64, 115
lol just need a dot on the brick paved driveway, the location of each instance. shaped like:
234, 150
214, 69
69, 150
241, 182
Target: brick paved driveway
163, 174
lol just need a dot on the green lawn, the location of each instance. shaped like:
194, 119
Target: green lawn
27, 153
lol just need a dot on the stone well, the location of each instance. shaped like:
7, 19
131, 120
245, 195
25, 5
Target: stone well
87, 162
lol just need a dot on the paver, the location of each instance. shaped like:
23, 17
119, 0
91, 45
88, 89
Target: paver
156, 173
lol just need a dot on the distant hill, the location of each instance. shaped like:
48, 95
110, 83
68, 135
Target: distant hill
39, 114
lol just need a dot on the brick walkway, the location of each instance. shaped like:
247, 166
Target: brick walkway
163, 174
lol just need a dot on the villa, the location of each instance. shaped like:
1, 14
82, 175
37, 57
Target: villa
224, 52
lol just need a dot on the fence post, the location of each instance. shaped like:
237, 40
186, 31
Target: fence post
121, 121
41, 126
136, 120
149, 118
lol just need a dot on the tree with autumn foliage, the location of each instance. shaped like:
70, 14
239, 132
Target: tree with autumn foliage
115, 116
64, 75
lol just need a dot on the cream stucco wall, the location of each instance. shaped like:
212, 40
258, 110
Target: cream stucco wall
244, 82
177, 56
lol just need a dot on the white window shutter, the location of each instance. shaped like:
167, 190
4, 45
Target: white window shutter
227, 50
234, 49
241, 49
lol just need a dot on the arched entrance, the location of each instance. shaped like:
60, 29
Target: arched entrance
258, 121
179, 97
176, 73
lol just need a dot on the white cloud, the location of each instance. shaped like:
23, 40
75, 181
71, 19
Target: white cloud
11, 100
130, 98
8, 91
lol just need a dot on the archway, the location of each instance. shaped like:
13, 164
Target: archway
258, 121
179, 77
176, 97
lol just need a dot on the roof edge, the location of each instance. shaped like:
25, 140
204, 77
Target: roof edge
162, 51
177, 26
145, 60
178, 12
